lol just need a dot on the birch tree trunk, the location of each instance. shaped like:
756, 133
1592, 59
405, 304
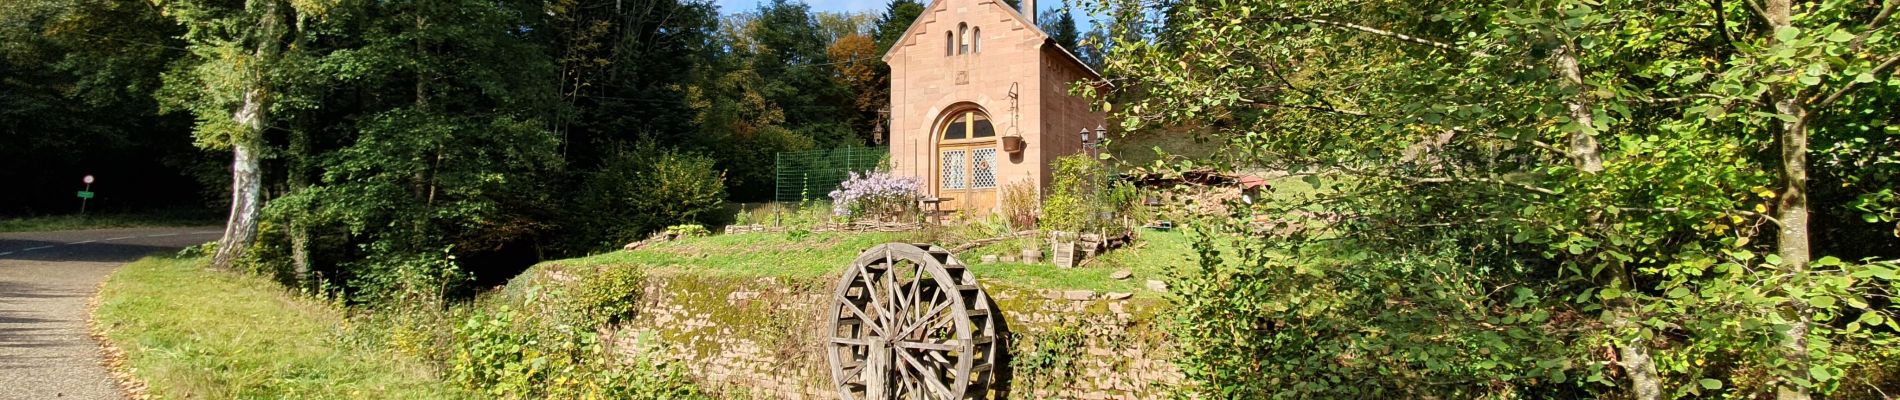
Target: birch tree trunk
1582, 149
247, 183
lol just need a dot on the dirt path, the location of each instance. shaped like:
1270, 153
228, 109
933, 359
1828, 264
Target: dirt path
45, 280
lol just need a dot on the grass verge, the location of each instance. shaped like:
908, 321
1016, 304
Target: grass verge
190, 332
100, 221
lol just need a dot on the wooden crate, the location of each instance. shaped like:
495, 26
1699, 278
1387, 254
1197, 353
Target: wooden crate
1066, 255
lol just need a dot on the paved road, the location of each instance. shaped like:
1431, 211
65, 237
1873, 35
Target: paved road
45, 280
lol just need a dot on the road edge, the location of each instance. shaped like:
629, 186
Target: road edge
111, 356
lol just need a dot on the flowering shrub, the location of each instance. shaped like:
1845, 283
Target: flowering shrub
877, 195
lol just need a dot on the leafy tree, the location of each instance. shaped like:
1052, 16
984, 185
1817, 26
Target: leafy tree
624, 70
414, 134
644, 188
228, 83
835, 26
869, 82
790, 58
66, 64
1621, 162
1060, 25
897, 17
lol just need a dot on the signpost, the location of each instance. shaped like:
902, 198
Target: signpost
85, 195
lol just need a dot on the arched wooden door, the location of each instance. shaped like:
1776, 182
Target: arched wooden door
967, 162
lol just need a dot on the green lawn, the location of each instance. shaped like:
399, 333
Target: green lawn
98, 221
193, 333
825, 253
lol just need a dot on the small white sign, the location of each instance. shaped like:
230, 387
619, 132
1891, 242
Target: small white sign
88, 178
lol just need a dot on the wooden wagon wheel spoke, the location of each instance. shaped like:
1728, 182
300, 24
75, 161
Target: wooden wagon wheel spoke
859, 313
925, 320
906, 326
930, 380
870, 291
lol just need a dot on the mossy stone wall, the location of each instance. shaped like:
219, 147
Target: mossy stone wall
761, 338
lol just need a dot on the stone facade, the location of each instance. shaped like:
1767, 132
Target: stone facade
1008, 70
760, 338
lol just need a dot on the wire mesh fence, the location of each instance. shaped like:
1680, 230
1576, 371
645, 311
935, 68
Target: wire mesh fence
803, 175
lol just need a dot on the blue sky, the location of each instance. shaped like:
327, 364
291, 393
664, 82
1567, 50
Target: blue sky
875, 6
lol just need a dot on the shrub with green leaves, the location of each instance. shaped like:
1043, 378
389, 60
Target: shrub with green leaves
1071, 204
510, 354
640, 190
1561, 199
1082, 191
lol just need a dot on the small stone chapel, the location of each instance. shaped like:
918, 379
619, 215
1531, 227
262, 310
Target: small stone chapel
980, 100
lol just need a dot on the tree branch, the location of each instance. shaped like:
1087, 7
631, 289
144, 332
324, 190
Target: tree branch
1721, 24
1845, 90
1274, 69
1759, 12
1450, 179
1390, 34
1886, 11
1266, 105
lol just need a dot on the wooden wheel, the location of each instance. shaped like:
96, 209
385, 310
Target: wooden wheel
909, 322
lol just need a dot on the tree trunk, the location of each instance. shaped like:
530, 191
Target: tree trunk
1791, 242
300, 252
1633, 354
299, 230
1582, 149
247, 184
1581, 146
1791, 209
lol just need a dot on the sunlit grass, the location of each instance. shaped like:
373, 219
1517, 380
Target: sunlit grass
194, 333
822, 254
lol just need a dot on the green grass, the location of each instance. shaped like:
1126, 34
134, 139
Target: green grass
748, 254
100, 221
190, 332
824, 254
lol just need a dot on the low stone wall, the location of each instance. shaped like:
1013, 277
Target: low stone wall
761, 338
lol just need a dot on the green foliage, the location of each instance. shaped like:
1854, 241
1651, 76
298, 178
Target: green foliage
399, 279
548, 343
687, 231
1348, 320
898, 15
1633, 205
602, 297
1082, 191
511, 355
642, 190
77, 99
1069, 204
1059, 23
1046, 360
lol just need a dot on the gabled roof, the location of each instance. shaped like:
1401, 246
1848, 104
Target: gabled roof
938, 5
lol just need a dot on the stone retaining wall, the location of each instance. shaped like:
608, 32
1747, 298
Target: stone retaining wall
760, 338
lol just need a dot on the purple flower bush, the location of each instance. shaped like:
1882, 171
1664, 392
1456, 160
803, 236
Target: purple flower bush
877, 195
